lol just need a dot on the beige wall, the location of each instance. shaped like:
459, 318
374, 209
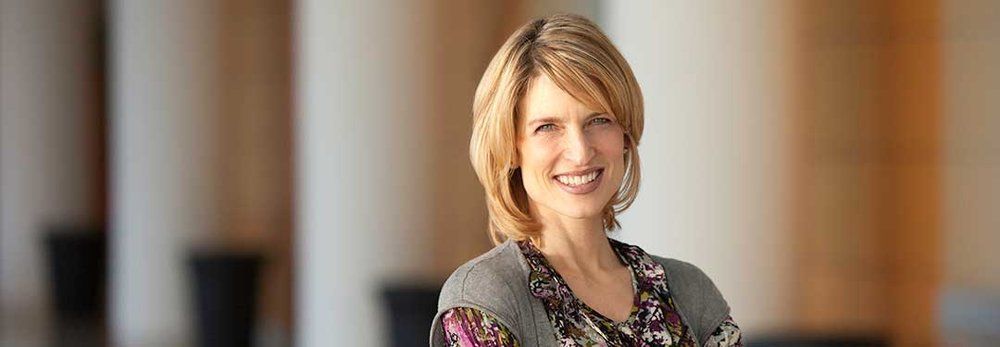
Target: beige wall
870, 238
836, 239
256, 140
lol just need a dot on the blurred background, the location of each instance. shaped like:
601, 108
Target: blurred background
281, 172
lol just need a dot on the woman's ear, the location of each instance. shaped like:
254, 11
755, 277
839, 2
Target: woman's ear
628, 140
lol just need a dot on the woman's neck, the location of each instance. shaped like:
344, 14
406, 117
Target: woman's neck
576, 245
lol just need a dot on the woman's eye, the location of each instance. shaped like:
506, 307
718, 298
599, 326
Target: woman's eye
546, 127
600, 120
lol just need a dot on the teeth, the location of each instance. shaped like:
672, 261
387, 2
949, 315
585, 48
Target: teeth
577, 180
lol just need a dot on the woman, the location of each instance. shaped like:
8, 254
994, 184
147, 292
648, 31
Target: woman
558, 118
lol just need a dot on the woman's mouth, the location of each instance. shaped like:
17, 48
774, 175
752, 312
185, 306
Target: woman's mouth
580, 183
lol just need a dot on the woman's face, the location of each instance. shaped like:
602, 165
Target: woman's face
571, 157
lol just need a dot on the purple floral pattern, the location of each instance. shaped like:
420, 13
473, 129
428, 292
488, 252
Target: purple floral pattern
466, 326
727, 334
654, 320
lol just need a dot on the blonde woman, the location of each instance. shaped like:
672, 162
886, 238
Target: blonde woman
557, 119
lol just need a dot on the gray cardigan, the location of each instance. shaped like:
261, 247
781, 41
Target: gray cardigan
497, 283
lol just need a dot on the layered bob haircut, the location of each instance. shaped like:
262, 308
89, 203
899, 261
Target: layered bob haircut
574, 53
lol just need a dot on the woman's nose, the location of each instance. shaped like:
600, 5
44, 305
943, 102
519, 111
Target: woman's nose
578, 149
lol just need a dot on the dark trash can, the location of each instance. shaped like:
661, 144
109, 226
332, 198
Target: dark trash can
225, 297
77, 259
411, 310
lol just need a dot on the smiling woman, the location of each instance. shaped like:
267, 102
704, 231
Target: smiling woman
566, 147
561, 56
557, 119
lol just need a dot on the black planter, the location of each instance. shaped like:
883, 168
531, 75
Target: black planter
225, 297
77, 259
803, 340
411, 310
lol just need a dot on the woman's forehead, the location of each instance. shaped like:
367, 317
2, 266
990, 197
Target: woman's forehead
545, 99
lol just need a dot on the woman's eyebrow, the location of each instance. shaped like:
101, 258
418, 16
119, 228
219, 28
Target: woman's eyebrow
545, 120
553, 119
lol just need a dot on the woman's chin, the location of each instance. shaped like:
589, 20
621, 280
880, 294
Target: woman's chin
583, 212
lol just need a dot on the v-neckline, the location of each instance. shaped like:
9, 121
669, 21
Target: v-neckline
633, 311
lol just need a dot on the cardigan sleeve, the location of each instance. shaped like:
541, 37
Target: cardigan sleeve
466, 326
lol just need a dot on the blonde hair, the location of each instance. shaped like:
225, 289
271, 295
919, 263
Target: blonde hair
574, 53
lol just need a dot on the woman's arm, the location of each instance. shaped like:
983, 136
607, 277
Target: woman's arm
726, 335
465, 326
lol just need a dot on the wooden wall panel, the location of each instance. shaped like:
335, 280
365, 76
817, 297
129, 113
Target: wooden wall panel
868, 174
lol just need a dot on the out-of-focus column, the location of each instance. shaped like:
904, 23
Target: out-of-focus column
970, 285
716, 154
50, 147
164, 153
362, 83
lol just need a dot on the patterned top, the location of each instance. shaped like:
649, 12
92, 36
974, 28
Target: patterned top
654, 319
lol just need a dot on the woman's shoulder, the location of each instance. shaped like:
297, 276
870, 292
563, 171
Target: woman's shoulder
695, 294
678, 273
493, 283
491, 277
682, 272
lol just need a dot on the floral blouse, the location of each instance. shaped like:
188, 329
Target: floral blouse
654, 320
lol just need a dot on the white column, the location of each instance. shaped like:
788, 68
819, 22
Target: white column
363, 86
971, 93
714, 153
49, 150
164, 154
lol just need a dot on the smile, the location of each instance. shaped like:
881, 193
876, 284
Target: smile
580, 182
